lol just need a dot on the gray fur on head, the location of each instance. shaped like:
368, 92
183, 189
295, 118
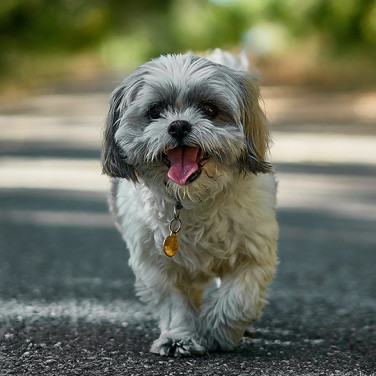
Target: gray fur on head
180, 86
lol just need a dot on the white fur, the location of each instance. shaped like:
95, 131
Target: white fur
240, 62
229, 230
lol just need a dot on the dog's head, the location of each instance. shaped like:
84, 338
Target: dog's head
186, 125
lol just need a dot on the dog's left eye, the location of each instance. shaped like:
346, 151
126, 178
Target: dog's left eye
155, 111
210, 110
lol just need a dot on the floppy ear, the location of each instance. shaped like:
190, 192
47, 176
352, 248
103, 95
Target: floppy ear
255, 128
113, 159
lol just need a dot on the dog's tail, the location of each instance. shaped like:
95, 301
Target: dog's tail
238, 62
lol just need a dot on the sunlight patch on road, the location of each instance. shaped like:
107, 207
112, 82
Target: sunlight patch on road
93, 311
323, 148
345, 196
49, 173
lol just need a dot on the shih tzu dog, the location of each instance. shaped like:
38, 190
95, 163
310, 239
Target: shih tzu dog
185, 144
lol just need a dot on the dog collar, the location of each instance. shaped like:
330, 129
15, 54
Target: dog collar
170, 245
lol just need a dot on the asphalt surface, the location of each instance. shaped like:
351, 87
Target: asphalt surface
67, 304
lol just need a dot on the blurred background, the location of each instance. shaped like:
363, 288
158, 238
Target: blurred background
66, 293
315, 41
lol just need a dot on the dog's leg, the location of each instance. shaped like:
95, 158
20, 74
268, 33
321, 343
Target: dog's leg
195, 296
176, 311
230, 309
178, 322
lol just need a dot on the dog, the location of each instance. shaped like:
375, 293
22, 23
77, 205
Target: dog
185, 143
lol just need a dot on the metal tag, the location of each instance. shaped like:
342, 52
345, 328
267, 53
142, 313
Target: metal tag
170, 245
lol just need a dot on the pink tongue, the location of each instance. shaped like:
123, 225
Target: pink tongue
183, 163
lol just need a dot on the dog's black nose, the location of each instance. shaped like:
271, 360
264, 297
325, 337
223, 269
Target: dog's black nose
179, 128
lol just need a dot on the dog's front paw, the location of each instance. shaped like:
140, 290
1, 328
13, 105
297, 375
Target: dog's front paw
168, 346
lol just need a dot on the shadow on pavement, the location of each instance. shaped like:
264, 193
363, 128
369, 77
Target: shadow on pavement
59, 244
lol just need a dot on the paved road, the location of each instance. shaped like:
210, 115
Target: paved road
67, 305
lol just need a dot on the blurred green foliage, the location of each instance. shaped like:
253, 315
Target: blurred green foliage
41, 34
340, 24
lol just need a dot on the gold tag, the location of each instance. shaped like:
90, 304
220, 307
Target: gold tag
170, 245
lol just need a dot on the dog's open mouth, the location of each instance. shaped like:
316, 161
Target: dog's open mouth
185, 163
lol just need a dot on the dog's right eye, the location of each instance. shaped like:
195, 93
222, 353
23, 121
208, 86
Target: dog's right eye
209, 109
155, 111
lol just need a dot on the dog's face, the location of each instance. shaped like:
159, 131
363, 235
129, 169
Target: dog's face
185, 125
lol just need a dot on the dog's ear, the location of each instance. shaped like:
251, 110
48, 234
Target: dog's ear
113, 159
255, 127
